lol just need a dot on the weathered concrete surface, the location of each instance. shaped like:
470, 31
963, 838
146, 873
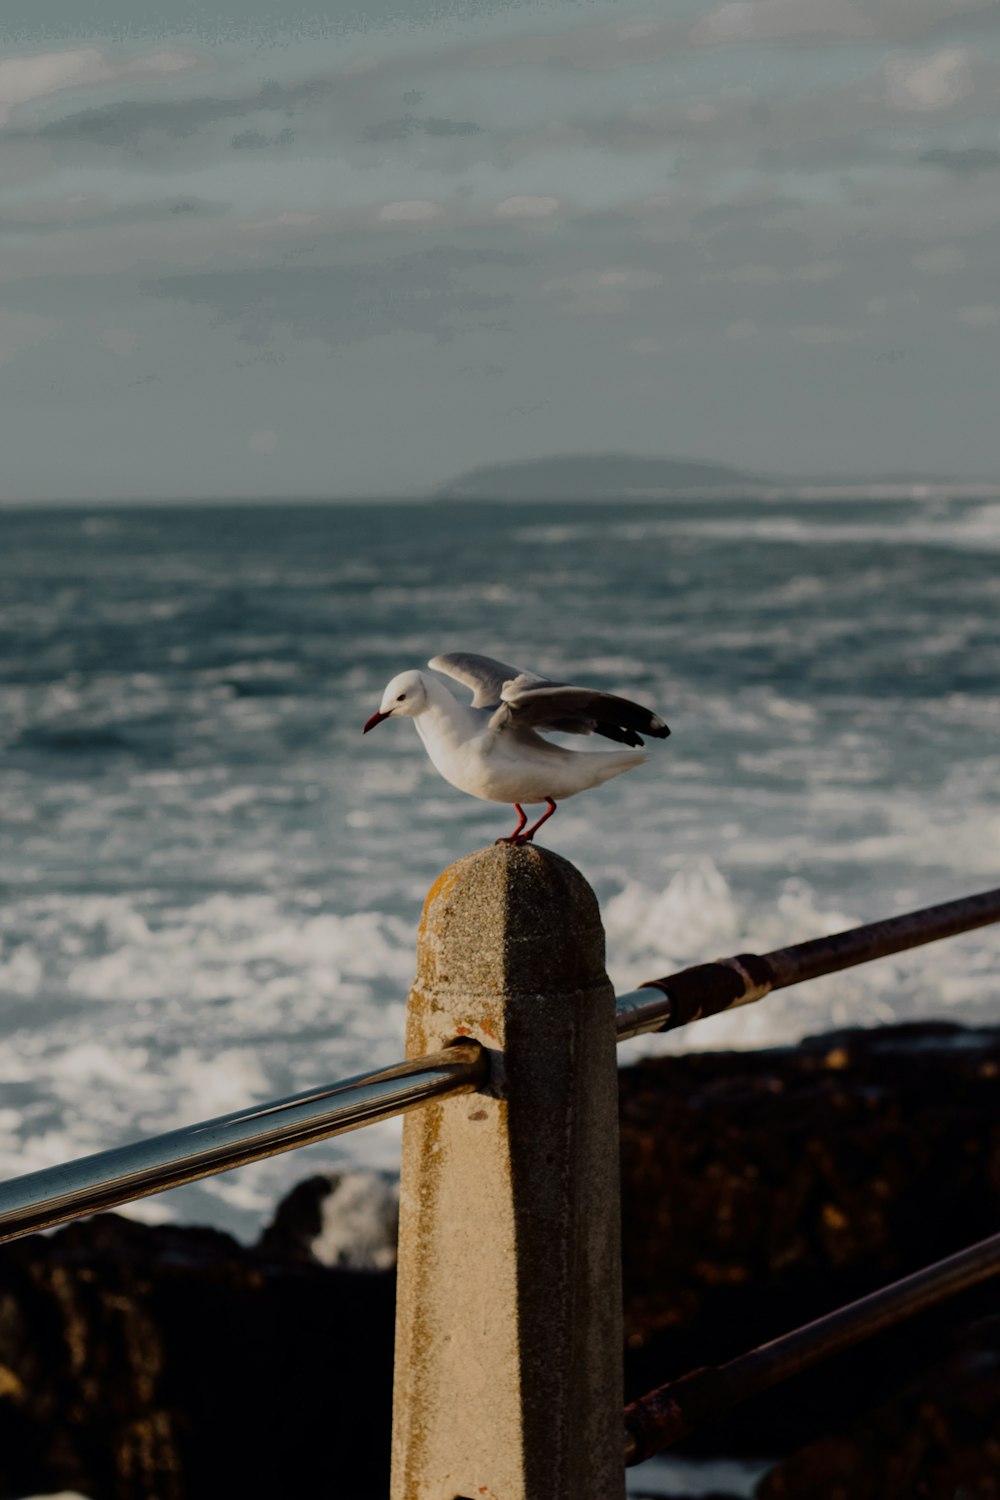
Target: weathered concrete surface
508, 1378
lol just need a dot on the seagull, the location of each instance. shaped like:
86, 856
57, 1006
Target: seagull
491, 748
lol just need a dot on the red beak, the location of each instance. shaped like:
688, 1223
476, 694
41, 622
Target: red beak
375, 719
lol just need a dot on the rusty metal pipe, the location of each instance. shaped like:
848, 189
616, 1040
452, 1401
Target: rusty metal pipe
664, 1416
709, 989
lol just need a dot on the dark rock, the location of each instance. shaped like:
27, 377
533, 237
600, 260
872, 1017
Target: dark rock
346, 1219
936, 1439
851, 1158
764, 1189
167, 1364
298, 1220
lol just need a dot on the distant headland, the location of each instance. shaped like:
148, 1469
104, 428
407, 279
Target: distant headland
596, 476
625, 476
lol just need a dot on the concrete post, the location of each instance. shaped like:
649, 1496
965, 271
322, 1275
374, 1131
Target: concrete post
508, 1382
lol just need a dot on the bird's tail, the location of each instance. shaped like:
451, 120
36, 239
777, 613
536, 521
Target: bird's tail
615, 762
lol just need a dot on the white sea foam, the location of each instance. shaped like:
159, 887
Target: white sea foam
60, 1495
697, 917
358, 1222
671, 1474
976, 527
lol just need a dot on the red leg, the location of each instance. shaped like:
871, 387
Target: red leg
546, 815
515, 837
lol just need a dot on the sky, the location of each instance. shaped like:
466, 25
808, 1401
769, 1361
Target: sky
358, 247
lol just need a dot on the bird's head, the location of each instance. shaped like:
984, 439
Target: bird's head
404, 698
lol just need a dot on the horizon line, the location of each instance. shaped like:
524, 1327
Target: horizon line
806, 490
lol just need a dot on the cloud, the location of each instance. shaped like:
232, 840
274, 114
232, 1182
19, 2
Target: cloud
605, 291
93, 210
410, 211
135, 125
752, 275
22, 330
934, 81
155, 128
35, 76
942, 260
590, 45
628, 279
980, 315
407, 125
582, 46
120, 341
255, 140
825, 333
264, 440
432, 293
781, 20
290, 219
391, 130
261, 118
525, 206
434, 126
819, 270
965, 161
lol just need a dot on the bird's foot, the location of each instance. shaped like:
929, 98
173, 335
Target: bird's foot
516, 837
527, 835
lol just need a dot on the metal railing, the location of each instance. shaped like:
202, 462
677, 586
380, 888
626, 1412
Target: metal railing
108, 1179
710, 989
664, 1416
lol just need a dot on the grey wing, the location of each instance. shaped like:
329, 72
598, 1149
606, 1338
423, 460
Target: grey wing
482, 674
556, 705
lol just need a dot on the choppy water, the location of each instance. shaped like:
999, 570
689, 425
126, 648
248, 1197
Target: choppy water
210, 882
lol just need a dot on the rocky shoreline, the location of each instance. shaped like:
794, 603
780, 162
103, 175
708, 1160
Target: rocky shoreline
760, 1190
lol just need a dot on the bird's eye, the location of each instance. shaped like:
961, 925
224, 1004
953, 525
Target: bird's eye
401, 698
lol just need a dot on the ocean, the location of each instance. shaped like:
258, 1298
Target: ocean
211, 882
